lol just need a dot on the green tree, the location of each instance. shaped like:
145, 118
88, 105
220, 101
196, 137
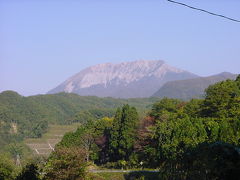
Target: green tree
238, 81
174, 136
211, 161
7, 168
30, 172
162, 109
212, 129
192, 108
219, 99
176, 127
82, 138
123, 133
66, 163
101, 138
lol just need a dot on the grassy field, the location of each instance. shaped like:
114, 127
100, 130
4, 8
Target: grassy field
44, 145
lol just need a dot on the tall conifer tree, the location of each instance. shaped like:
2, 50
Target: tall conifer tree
123, 133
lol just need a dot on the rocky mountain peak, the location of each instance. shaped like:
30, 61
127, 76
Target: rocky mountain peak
108, 77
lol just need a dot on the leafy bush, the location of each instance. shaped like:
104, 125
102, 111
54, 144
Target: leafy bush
30, 172
66, 163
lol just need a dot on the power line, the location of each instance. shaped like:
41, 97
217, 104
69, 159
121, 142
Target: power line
205, 11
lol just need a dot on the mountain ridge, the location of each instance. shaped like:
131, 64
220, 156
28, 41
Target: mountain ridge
139, 78
191, 88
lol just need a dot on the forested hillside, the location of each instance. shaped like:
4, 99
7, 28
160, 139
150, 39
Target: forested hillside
22, 117
198, 139
191, 88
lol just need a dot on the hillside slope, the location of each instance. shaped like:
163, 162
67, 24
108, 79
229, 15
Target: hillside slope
190, 88
22, 117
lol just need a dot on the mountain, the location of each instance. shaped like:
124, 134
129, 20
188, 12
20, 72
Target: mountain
124, 80
191, 88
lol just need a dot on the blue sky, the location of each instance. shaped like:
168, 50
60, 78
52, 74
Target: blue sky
43, 42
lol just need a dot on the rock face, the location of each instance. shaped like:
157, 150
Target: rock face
191, 88
124, 80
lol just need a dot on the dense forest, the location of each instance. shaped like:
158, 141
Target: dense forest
29, 117
197, 139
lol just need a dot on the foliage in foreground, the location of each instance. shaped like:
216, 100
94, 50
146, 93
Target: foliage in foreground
29, 172
140, 175
198, 139
29, 117
174, 136
8, 169
66, 163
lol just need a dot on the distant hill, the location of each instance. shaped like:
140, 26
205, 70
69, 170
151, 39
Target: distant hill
190, 88
22, 117
124, 80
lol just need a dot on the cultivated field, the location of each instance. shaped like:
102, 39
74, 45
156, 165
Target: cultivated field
45, 145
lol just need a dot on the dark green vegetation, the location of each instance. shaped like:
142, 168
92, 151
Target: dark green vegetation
7, 168
140, 175
107, 140
30, 171
198, 139
123, 133
190, 88
66, 163
22, 117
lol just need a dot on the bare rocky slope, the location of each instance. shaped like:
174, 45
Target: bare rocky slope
124, 80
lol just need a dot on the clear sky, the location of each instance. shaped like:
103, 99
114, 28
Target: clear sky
43, 42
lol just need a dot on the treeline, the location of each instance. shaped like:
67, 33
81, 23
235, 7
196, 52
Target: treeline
22, 117
108, 139
198, 139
